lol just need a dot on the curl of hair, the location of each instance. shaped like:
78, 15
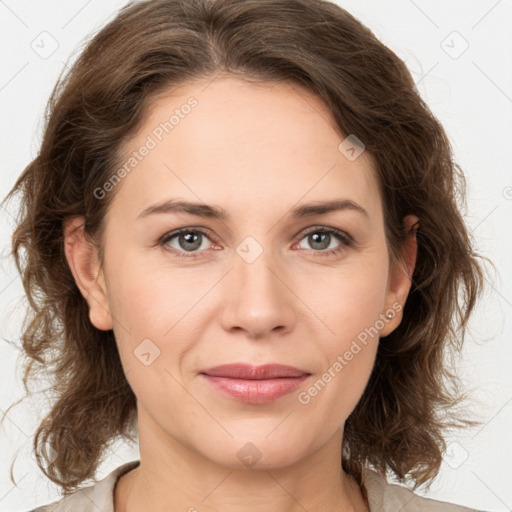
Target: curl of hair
151, 47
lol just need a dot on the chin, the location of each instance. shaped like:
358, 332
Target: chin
258, 451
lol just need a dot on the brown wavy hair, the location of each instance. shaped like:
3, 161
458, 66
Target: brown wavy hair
412, 397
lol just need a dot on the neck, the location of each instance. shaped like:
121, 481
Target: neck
172, 476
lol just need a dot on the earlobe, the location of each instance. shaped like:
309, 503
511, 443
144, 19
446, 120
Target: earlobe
83, 261
400, 277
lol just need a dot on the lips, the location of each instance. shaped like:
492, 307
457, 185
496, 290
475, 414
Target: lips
247, 371
254, 384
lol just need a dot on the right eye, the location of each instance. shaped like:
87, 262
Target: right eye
188, 241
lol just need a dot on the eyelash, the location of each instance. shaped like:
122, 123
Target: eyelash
345, 238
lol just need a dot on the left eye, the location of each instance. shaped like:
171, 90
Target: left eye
322, 238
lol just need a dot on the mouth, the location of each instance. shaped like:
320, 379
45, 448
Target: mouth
254, 384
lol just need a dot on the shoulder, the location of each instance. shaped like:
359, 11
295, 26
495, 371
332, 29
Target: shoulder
387, 497
99, 496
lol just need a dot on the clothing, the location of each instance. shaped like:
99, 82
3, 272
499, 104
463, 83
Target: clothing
382, 496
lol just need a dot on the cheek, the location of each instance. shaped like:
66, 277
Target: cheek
148, 305
350, 309
350, 299
158, 311
149, 298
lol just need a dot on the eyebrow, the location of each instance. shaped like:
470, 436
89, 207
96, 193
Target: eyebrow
216, 212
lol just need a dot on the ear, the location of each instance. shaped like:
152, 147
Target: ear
400, 277
83, 261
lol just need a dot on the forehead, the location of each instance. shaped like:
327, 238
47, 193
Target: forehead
250, 146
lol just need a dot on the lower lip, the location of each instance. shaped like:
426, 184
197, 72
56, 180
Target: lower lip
255, 391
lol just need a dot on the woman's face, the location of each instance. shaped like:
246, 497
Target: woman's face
269, 283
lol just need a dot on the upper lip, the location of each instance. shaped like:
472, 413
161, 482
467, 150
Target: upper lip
247, 371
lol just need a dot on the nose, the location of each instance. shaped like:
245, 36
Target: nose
258, 299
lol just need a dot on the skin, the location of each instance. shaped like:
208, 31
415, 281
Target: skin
257, 151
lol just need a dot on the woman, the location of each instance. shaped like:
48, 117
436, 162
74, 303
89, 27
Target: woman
242, 246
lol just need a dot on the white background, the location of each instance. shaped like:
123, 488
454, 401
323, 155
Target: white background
470, 94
